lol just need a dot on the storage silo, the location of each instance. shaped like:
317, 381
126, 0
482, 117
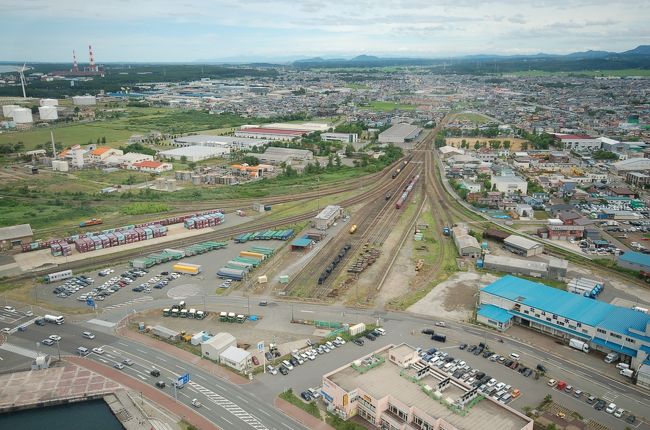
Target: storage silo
84, 100
8, 110
22, 116
48, 113
49, 102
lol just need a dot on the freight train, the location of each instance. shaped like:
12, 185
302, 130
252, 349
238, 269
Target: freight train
328, 270
406, 192
91, 222
401, 167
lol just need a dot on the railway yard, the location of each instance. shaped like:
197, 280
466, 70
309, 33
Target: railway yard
387, 251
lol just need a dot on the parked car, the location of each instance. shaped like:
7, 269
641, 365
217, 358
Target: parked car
358, 341
600, 405
462, 346
428, 331
255, 361
272, 370
284, 370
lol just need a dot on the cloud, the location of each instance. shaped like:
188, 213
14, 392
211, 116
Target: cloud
176, 30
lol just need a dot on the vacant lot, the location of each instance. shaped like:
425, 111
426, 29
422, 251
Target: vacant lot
476, 118
388, 106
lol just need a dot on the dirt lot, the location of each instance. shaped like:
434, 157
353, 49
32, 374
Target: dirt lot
288, 336
453, 298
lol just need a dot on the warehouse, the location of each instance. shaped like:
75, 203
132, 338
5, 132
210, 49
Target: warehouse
269, 133
400, 133
605, 327
195, 153
509, 184
237, 358
274, 155
634, 261
467, 245
327, 217
631, 165
555, 269
239, 143
217, 344
522, 246
340, 137
16, 235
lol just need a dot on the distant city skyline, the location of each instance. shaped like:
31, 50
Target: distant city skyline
283, 30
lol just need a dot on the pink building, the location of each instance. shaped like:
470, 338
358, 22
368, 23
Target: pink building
394, 390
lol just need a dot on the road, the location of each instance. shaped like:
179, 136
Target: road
255, 399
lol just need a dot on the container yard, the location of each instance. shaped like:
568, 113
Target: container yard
40, 244
117, 238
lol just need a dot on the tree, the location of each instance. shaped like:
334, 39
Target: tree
103, 139
477, 145
183, 159
191, 165
349, 150
98, 140
337, 161
506, 144
330, 162
250, 160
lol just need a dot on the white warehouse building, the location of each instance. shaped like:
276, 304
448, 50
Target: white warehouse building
86, 100
195, 153
48, 113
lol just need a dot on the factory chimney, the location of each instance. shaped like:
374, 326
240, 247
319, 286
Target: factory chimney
93, 68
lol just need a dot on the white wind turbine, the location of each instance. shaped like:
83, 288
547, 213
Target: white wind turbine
22, 79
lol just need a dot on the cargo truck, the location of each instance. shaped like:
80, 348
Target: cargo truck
627, 372
187, 268
579, 345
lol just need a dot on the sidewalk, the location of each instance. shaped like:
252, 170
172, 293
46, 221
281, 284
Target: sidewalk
157, 396
301, 416
211, 368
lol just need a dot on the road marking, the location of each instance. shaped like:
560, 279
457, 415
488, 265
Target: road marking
307, 312
161, 359
227, 420
123, 344
207, 408
265, 413
183, 394
139, 350
141, 377
200, 377
102, 360
242, 399
290, 428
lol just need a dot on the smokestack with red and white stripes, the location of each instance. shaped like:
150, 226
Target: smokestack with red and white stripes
93, 68
75, 66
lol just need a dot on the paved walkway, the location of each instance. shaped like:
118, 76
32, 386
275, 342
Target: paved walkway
157, 396
301, 416
188, 357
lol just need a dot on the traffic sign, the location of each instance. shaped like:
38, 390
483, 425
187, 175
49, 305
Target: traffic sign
184, 379
90, 302
260, 346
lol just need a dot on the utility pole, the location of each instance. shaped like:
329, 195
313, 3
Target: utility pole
58, 347
248, 298
291, 312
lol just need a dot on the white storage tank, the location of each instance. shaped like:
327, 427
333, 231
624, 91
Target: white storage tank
48, 113
22, 115
84, 100
49, 102
8, 110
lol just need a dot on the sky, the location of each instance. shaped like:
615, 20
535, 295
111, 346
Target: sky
281, 30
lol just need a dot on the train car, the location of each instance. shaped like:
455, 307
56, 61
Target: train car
91, 222
353, 229
396, 172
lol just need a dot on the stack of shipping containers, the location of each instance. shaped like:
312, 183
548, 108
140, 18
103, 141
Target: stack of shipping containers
204, 221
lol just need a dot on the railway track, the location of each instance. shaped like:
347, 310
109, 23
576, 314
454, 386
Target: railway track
229, 205
224, 234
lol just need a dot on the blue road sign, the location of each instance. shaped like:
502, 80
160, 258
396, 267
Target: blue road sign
184, 379
90, 302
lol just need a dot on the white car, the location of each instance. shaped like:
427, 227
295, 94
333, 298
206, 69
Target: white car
98, 351
611, 408
55, 337
272, 370
619, 412
6, 330
440, 324
10, 309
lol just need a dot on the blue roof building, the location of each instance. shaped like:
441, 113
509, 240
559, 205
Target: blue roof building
559, 313
634, 261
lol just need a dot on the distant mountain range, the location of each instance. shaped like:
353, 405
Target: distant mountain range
633, 58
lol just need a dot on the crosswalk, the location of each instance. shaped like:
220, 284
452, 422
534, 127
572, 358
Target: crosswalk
130, 302
229, 406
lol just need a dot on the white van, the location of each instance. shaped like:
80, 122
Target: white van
621, 366
88, 335
82, 351
514, 356
381, 331
288, 365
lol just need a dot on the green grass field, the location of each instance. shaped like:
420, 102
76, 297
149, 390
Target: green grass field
387, 106
622, 73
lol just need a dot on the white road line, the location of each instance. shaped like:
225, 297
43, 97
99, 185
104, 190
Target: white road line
123, 344
139, 350
242, 399
142, 377
290, 428
207, 408
264, 412
307, 312
198, 376
161, 359
183, 394
227, 420
102, 360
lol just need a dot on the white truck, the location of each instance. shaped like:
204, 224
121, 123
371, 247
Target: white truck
579, 345
611, 357
54, 319
627, 372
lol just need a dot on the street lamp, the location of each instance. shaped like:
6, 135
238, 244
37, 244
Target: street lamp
58, 347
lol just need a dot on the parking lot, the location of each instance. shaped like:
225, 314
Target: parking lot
119, 289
